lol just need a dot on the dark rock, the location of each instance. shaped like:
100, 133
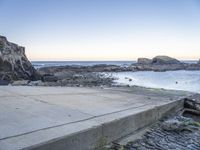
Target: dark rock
144, 61
14, 64
164, 60
174, 133
49, 78
82, 69
176, 125
4, 82
162, 63
192, 102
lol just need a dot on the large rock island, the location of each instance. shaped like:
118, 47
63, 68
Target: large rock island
14, 64
163, 63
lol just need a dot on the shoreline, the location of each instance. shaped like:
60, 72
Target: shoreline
81, 78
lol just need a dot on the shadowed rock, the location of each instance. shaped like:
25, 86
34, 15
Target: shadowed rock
14, 64
164, 60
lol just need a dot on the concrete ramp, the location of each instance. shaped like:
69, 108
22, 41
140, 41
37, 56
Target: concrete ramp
60, 118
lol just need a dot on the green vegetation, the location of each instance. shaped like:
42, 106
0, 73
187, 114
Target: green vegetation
101, 143
196, 124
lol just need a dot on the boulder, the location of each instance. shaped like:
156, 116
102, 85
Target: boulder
160, 60
14, 64
144, 61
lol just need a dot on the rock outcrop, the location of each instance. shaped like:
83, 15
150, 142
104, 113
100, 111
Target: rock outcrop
144, 61
14, 64
158, 60
164, 60
163, 63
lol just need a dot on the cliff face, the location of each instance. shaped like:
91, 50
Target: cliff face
14, 64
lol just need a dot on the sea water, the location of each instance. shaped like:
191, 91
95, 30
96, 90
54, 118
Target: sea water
40, 64
175, 80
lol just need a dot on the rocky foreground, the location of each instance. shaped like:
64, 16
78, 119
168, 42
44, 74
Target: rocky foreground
16, 69
175, 132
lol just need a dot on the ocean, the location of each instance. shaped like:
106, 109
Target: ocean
173, 80
39, 64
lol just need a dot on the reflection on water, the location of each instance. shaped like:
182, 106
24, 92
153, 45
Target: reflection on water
177, 80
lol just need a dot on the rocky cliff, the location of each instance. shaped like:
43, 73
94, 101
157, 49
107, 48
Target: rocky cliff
14, 64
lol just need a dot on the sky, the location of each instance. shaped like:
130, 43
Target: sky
102, 29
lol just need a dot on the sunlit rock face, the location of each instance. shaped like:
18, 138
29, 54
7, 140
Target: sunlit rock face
14, 64
144, 61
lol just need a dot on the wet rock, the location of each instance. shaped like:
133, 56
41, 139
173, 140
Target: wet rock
177, 125
36, 83
129, 79
174, 133
14, 64
192, 102
4, 82
49, 78
83, 69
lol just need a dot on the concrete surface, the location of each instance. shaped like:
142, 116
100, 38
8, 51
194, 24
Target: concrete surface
60, 118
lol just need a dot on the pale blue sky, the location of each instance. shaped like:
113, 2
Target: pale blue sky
102, 29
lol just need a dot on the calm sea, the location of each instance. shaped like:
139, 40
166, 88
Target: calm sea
174, 80
39, 64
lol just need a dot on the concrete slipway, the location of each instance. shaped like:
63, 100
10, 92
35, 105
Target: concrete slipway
62, 118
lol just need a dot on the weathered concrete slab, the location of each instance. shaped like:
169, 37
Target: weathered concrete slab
77, 118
